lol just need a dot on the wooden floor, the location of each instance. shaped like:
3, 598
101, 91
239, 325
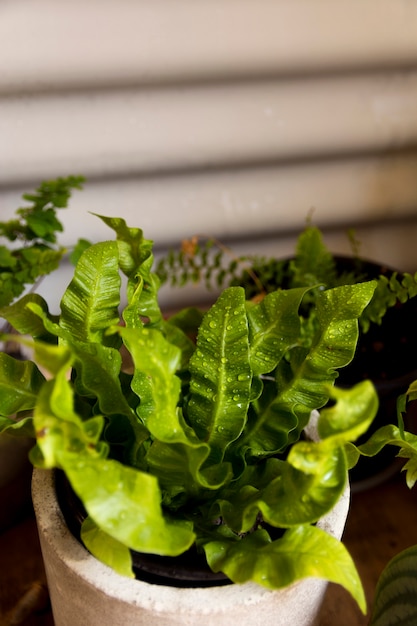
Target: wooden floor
382, 521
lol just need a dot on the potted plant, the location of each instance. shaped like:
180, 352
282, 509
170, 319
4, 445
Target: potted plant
30, 252
188, 436
387, 341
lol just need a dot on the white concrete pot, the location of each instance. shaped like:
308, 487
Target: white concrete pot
84, 592
15, 477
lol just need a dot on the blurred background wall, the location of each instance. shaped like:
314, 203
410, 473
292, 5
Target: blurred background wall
233, 118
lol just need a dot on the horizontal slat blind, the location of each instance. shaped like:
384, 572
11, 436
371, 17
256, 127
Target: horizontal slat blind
139, 131
229, 117
51, 43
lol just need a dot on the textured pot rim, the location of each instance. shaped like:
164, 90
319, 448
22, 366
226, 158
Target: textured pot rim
54, 531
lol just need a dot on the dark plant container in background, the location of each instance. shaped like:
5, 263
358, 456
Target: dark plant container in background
385, 354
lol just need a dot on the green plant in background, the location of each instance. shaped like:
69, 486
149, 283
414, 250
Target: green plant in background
33, 234
197, 438
313, 266
396, 591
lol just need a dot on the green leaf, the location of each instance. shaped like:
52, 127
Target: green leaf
136, 259
10, 288
51, 357
298, 491
24, 319
303, 551
180, 470
44, 224
411, 393
20, 383
59, 428
179, 339
304, 383
338, 310
7, 260
79, 248
52, 192
155, 383
274, 327
351, 415
392, 435
142, 299
97, 375
38, 222
221, 377
30, 264
179, 465
90, 303
106, 549
126, 504
396, 592
134, 249
313, 263
20, 428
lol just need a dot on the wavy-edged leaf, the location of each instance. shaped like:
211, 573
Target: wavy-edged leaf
396, 592
126, 504
274, 327
313, 263
303, 385
22, 317
338, 311
97, 379
59, 429
177, 456
136, 248
155, 382
180, 470
392, 435
97, 375
20, 428
90, 303
50, 326
142, 294
20, 383
106, 549
299, 491
136, 260
52, 357
351, 415
220, 384
303, 551
142, 299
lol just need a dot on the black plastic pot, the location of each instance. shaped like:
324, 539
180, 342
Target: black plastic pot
187, 570
387, 355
